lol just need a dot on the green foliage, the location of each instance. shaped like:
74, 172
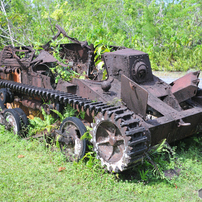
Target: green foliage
68, 112
150, 26
87, 134
61, 72
38, 125
57, 144
90, 157
91, 161
81, 114
158, 159
143, 175
115, 102
99, 50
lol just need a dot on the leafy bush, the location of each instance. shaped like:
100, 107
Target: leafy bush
170, 32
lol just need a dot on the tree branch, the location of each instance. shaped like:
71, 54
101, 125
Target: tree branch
9, 29
12, 39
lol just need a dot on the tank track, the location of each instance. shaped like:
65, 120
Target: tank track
136, 134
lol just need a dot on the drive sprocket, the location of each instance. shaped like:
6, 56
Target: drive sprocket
119, 140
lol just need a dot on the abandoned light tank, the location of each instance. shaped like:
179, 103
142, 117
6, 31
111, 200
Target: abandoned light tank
130, 111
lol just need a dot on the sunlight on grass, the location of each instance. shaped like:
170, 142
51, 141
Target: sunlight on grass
34, 176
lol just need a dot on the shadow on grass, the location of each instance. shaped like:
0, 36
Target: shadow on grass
168, 167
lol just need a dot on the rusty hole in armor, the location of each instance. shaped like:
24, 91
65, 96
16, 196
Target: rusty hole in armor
139, 71
110, 141
44, 69
18, 71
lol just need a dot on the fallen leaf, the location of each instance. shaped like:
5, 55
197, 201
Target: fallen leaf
21, 156
61, 168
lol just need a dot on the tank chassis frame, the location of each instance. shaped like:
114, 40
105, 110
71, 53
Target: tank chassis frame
130, 111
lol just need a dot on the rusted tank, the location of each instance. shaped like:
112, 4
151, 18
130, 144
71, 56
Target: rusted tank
129, 111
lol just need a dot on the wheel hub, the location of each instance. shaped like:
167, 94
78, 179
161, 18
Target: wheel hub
67, 140
112, 141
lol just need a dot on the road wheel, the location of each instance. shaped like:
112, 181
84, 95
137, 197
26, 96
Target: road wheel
6, 95
24, 121
13, 121
3, 95
71, 145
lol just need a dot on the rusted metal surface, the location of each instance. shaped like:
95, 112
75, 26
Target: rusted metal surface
36, 68
134, 96
132, 63
185, 87
132, 108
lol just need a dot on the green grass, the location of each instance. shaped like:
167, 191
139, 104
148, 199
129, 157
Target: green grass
36, 178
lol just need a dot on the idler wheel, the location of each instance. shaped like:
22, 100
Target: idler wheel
70, 142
